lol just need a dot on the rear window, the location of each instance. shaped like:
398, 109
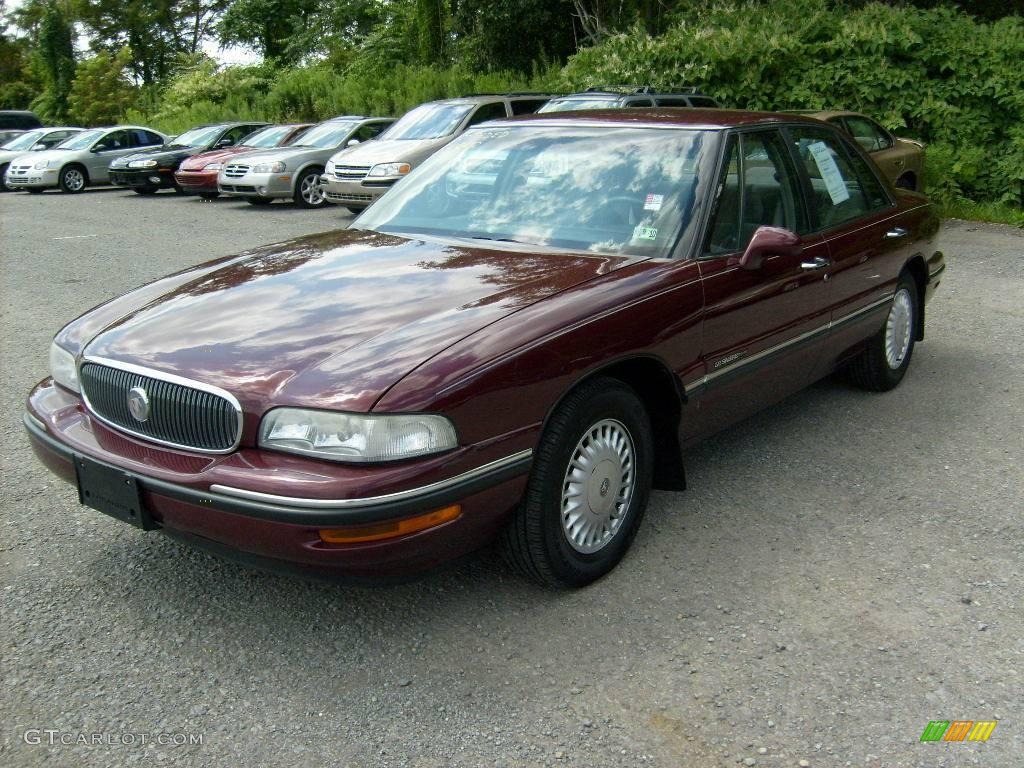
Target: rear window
428, 121
571, 105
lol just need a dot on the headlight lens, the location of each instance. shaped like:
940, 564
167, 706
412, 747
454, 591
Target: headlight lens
142, 164
213, 166
62, 368
390, 169
329, 168
41, 164
269, 167
356, 437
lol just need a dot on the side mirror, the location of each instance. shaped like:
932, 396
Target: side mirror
225, 143
352, 142
770, 241
40, 146
97, 148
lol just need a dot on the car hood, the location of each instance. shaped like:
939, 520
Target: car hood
161, 154
284, 154
6, 155
197, 162
332, 320
412, 151
49, 154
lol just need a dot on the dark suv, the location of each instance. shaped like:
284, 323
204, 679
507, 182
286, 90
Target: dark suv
16, 121
617, 96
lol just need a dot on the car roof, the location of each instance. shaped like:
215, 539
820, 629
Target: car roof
477, 98
697, 117
824, 114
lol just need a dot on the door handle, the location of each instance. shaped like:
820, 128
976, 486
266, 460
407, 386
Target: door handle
817, 262
895, 233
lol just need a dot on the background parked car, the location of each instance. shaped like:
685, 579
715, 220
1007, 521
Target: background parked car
31, 141
197, 175
618, 96
358, 176
901, 160
81, 160
14, 122
150, 171
294, 171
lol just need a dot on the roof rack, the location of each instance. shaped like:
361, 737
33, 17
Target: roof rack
507, 93
645, 89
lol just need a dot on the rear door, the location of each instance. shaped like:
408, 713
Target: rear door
762, 327
868, 241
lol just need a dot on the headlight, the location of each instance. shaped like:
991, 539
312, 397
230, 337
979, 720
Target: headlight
213, 166
329, 168
269, 167
41, 164
356, 437
390, 169
142, 164
62, 367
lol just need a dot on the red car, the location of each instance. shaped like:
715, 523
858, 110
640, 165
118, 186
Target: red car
518, 341
197, 175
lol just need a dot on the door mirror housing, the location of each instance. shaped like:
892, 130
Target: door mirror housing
352, 142
225, 143
770, 241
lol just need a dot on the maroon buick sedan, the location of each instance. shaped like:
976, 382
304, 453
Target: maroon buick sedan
518, 342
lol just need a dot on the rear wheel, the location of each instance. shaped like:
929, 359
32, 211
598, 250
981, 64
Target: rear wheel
308, 192
588, 487
144, 191
3, 184
354, 210
259, 200
72, 179
907, 181
884, 361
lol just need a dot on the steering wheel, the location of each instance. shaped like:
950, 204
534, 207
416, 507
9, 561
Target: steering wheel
616, 211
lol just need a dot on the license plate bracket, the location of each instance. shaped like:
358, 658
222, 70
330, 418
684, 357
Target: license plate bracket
111, 491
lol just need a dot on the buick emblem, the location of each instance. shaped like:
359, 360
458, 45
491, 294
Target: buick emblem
138, 403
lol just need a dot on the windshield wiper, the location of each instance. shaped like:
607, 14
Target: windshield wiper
497, 239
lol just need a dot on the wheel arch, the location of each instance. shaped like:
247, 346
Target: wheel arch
911, 177
662, 394
918, 270
301, 170
79, 166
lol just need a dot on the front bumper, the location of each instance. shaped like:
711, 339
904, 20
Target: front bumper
36, 179
247, 503
256, 185
196, 182
354, 193
142, 178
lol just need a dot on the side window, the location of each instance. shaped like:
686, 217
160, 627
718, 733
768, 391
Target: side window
493, 111
54, 138
758, 188
234, 135
671, 101
114, 140
867, 133
644, 102
839, 192
526, 106
369, 131
703, 101
145, 138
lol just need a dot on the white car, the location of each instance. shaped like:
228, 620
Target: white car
31, 141
79, 161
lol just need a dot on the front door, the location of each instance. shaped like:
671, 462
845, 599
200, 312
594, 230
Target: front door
112, 146
762, 327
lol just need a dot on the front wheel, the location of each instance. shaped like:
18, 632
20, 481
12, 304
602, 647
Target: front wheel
3, 184
588, 488
308, 192
884, 361
259, 200
146, 191
72, 179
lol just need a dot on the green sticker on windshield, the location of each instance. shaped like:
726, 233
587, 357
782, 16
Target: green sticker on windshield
645, 233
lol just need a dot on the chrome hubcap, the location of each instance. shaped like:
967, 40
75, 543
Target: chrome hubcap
898, 329
73, 179
311, 191
598, 486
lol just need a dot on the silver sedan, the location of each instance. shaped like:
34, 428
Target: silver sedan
31, 141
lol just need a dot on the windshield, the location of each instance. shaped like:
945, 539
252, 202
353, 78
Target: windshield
428, 121
325, 135
24, 141
198, 137
600, 189
268, 137
571, 105
81, 140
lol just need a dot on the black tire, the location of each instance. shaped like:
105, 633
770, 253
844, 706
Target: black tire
145, 191
259, 200
873, 369
535, 542
73, 179
354, 210
34, 190
3, 184
310, 176
906, 181
209, 195
179, 191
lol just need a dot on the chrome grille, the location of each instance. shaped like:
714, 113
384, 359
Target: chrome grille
351, 172
348, 197
179, 415
236, 171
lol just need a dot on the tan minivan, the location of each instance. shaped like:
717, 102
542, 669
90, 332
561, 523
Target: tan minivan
359, 174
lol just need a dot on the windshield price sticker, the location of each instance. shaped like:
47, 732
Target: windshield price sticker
653, 202
834, 183
645, 233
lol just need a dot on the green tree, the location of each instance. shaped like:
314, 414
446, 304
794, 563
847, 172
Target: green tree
56, 61
17, 85
267, 26
432, 28
102, 91
513, 34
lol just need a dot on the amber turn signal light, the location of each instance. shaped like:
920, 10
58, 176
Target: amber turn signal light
358, 534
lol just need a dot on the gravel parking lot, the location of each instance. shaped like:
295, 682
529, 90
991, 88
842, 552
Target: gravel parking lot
845, 568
